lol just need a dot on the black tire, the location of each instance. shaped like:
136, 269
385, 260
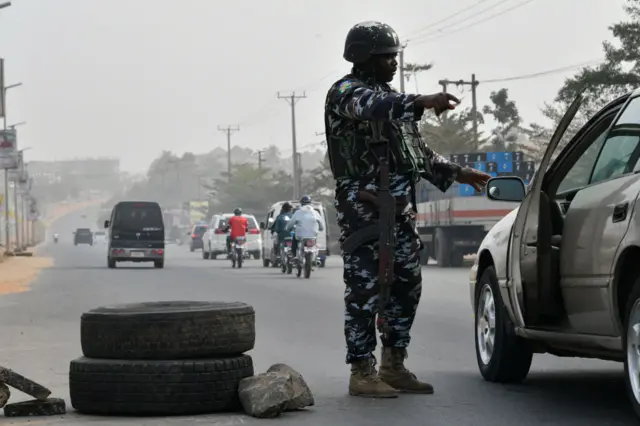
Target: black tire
192, 249
111, 263
205, 255
323, 263
633, 297
289, 268
307, 266
512, 355
443, 248
266, 263
117, 387
240, 260
158, 264
213, 256
168, 330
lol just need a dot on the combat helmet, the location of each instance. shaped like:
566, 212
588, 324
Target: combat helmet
370, 38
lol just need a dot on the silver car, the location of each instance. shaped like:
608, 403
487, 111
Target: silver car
561, 273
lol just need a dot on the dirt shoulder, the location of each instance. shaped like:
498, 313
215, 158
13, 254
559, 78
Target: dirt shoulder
18, 272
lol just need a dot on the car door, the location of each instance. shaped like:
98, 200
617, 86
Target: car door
596, 223
523, 250
267, 238
253, 232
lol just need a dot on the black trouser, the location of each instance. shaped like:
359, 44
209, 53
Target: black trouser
294, 246
228, 243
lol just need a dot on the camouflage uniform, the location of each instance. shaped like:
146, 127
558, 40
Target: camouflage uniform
351, 102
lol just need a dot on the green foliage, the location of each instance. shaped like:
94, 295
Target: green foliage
451, 133
505, 135
620, 71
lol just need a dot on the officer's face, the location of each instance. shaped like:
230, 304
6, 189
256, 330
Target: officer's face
386, 66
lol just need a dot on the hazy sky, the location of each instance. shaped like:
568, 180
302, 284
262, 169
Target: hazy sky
130, 78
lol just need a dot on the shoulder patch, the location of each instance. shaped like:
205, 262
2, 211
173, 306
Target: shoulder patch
344, 86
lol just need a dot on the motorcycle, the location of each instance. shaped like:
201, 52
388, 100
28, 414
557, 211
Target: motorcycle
286, 264
307, 257
55, 238
239, 252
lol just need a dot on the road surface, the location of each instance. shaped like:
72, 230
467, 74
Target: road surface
299, 322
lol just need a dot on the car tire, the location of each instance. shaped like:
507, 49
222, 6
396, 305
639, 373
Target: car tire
205, 254
213, 256
323, 263
510, 359
168, 330
111, 263
631, 321
157, 387
158, 264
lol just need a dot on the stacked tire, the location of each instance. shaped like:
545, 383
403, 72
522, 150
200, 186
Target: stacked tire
163, 358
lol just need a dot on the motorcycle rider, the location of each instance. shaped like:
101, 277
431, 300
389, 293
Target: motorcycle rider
55, 237
239, 225
307, 223
280, 224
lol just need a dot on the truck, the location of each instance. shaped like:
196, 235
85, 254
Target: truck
452, 225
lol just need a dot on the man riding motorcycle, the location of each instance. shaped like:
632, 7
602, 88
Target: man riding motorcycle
280, 225
55, 237
307, 223
238, 225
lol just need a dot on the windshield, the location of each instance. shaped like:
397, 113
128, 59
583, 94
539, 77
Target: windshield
83, 231
253, 224
138, 216
199, 230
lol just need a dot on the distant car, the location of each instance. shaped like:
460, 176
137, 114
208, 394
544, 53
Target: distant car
196, 236
215, 239
99, 237
83, 236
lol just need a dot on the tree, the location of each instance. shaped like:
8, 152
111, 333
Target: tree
451, 133
504, 137
620, 71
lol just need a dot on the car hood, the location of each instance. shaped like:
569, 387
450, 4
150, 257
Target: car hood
496, 242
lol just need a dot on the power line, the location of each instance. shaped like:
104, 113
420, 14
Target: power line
228, 130
473, 24
542, 73
419, 34
292, 100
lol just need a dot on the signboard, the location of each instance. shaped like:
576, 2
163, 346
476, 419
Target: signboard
8, 149
18, 174
2, 86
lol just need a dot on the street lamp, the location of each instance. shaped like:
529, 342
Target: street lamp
5, 4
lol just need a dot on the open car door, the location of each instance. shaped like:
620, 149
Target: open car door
529, 264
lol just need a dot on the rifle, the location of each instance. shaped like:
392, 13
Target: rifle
383, 231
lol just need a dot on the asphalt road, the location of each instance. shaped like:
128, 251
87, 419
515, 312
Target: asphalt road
299, 322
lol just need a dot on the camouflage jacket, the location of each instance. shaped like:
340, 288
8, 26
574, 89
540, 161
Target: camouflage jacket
352, 103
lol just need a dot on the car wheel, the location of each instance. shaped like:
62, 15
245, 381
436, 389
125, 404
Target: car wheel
196, 386
111, 263
323, 263
205, 254
158, 264
502, 355
631, 340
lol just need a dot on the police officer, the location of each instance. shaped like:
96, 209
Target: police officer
361, 110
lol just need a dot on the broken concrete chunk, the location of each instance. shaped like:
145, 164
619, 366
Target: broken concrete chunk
266, 395
5, 394
23, 384
48, 407
302, 396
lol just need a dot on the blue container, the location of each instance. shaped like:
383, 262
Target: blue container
482, 166
493, 156
466, 190
493, 174
505, 167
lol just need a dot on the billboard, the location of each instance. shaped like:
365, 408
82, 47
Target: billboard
8, 149
198, 210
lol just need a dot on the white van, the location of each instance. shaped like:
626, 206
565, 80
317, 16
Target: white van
214, 241
268, 239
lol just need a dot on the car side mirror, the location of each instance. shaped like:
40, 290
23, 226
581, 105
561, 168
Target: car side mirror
106, 223
506, 188
262, 226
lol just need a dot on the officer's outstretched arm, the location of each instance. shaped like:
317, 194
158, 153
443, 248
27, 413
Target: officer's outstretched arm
353, 100
443, 173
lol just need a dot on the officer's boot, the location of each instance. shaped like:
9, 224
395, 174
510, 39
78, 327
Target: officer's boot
395, 374
364, 381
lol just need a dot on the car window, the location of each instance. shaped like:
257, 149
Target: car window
578, 176
200, 229
136, 216
620, 152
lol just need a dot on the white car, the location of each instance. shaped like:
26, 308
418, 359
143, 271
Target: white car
268, 238
214, 241
99, 237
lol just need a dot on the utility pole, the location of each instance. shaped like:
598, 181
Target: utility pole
474, 101
228, 130
260, 160
299, 158
292, 99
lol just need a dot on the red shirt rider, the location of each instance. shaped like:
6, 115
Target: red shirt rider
238, 226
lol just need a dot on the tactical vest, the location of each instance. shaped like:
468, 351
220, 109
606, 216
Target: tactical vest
354, 149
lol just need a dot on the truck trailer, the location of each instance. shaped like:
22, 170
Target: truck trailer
452, 225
